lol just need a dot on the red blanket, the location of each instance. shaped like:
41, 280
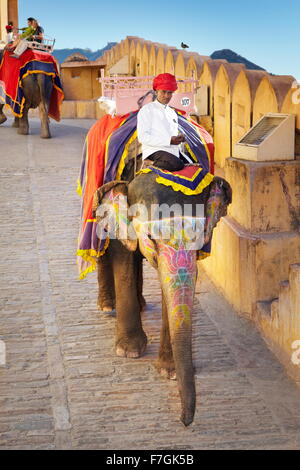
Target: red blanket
12, 71
94, 159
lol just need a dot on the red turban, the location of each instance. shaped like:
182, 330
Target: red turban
165, 81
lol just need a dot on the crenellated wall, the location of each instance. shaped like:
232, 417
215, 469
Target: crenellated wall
237, 98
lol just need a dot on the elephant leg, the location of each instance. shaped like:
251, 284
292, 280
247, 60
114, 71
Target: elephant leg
3, 118
139, 262
106, 285
16, 122
45, 129
165, 363
23, 121
45, 88
131, 339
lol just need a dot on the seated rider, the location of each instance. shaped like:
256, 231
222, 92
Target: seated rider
38, 31
21, 43
157, 127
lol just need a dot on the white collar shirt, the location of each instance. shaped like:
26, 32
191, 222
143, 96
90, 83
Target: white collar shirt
156, 124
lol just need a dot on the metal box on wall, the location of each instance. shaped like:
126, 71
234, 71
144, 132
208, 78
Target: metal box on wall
271, 138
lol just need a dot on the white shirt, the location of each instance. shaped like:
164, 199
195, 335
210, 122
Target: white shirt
156, 124
9, 37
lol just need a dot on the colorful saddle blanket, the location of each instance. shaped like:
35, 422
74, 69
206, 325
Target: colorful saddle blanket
104, 157
190, 181
12, 71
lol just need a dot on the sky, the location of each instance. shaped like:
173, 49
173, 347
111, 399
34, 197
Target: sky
265, 32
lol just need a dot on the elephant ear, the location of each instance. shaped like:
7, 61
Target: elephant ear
119, 186
220, 196
110, 208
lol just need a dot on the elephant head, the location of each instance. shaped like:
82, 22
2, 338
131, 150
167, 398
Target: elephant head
171, 244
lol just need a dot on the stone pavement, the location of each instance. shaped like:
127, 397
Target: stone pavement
62, 386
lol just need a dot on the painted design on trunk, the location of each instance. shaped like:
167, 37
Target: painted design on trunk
215, 209
178, 270
187, 232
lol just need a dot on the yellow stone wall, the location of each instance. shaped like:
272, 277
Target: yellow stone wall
180, 70
80, 83
241, 107
206, 78
132, 57
255, 244
291, 104
138, 59
3, 19
222, 117
160, 61
152, 61
145, 62
279, 321
265, 100
191, 71
169, 63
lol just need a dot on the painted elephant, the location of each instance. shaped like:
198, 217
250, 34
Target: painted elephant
37, 90
120, 271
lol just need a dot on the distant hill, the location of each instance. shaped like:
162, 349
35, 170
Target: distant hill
62, 54
233, 58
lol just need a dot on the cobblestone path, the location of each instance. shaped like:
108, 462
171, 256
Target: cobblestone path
62, 386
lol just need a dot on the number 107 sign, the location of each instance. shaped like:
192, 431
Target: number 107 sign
184, 101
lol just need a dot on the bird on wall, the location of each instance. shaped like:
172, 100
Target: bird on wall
184, 46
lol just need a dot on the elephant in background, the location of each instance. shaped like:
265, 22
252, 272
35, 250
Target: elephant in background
120, 275
37, 90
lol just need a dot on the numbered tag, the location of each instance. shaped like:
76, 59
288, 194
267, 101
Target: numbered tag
185, 101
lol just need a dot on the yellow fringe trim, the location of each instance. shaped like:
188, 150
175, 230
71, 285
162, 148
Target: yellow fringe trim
191, 152
91, 257
178, 187
166, 172
106, 149
79, 188
145, 170
124, 155
202, 255
189, 192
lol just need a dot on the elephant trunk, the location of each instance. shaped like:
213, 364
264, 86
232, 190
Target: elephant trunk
182, 353
178, 269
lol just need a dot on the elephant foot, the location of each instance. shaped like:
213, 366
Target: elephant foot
107, 309
132, 346
106, 306
23, 131
45, 135
166, 369
2, 118
16, 123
